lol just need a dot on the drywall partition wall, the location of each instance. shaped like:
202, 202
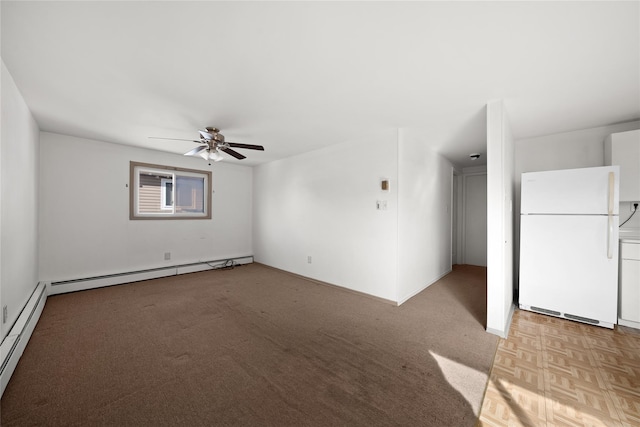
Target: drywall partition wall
85, 226
316, 214
424, 217
500, 193
19, 194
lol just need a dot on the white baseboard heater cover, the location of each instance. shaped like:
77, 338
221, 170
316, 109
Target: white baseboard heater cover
64, 286
14, 343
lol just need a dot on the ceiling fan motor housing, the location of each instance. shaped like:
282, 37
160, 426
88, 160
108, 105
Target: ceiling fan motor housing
216, 140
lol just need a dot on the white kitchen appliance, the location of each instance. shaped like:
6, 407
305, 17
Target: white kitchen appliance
569, 244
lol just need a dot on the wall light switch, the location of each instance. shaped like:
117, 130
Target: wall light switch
384, 184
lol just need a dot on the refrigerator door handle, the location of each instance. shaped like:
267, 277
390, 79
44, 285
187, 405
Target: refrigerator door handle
610, 228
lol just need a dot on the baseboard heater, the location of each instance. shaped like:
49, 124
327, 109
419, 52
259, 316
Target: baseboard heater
64, 286
14, 343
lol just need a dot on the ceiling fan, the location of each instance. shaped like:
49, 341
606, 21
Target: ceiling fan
212, 142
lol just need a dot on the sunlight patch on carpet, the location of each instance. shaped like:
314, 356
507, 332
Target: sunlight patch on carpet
467, 381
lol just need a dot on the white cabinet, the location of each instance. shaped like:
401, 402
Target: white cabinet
629, 314
623, 149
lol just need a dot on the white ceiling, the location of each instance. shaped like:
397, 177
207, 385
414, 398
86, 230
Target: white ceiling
297, 76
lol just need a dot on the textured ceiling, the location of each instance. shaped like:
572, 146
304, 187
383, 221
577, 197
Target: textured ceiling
298, 76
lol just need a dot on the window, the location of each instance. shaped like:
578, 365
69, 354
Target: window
164, 192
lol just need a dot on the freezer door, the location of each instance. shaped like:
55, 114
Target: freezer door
564, 265
592, 191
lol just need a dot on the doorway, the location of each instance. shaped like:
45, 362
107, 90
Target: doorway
474, 221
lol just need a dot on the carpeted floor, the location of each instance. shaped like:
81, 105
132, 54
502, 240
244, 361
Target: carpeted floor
255, 346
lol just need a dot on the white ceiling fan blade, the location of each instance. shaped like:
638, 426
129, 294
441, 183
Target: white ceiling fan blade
205, 134
172, 139
195, 151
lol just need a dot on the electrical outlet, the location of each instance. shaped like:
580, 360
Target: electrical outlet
167, 256
309, 259
4, 314
633, 206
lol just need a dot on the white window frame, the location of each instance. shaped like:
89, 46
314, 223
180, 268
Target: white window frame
163, 192
167, 212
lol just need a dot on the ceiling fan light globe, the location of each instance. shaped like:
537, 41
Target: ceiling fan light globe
215, 156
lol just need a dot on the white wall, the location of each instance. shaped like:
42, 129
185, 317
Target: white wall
19, 201
424, 217
626, 209
85, 229
323, 204
568, 150
500, 194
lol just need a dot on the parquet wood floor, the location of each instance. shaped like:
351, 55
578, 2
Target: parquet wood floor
555, 372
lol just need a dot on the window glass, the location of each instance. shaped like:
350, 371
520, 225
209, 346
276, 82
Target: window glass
167, 193
189, 194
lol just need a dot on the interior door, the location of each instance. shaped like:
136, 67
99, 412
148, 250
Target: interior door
475, 219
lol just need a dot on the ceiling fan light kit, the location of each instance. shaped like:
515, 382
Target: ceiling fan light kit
212, 142
215, 156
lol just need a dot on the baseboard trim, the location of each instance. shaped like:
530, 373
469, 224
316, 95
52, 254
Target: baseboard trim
341, 288
14, 343
628, 323
73, 285
413, 294
504, 333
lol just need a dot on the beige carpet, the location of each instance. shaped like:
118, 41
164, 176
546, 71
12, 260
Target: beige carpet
255, 346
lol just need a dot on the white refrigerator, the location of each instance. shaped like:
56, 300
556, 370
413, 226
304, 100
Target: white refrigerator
569, 244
